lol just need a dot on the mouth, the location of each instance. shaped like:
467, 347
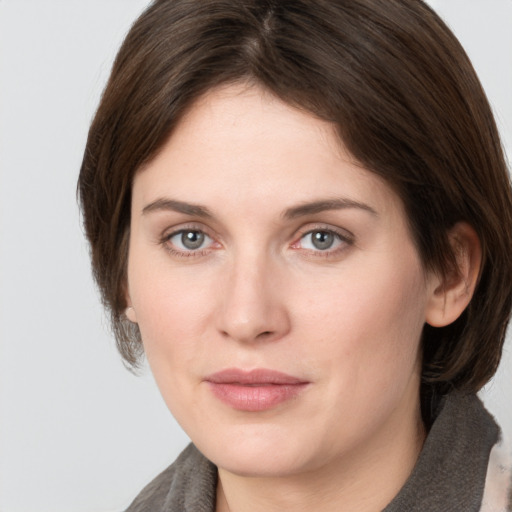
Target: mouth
256, 390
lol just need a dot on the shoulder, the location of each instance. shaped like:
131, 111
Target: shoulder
186, 485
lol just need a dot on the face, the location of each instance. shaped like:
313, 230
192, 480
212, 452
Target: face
278, 292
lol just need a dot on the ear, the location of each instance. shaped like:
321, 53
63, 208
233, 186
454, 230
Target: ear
129, 312
450, 295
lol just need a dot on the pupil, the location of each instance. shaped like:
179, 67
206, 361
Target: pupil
323, 239
192, 239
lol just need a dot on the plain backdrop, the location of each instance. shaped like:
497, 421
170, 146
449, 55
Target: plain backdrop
79, 433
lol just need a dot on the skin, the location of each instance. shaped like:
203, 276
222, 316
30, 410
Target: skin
258, 293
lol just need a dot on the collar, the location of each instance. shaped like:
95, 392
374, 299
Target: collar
451, 469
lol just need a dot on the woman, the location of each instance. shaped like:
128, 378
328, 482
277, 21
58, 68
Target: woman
301, 214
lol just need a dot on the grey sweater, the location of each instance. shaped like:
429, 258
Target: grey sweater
448, 477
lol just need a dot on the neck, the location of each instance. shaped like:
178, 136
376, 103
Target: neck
365, 480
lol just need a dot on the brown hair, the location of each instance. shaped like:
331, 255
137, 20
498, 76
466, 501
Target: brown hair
402, 94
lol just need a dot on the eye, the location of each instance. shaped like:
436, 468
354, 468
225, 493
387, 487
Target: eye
188, 240
319, 240
322, 240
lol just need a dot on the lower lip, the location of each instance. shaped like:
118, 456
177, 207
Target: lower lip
255, 398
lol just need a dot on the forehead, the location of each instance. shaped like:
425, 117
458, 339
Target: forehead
229, 117
241, 144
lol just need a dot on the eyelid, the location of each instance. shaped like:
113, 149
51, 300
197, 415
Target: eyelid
171, 232
343, 235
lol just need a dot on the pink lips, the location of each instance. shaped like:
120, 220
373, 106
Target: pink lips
255, 390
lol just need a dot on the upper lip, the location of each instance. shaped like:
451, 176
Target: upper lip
261, 376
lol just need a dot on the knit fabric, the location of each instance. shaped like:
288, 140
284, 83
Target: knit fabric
450, 474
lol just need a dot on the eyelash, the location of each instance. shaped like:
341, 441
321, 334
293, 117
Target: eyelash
165, 241
345, 238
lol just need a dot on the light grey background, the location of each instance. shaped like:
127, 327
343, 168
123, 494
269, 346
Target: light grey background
78, 433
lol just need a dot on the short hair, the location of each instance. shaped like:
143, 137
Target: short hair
402, 95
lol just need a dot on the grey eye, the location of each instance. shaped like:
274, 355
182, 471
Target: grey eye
189, 242
192, 240
322, 240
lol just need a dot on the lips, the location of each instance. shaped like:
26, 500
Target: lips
255, 390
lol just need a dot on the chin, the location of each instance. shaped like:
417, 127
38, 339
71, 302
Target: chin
256, 451
260, 465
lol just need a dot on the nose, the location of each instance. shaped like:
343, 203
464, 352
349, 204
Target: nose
252, 303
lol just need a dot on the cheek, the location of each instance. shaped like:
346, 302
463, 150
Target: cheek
171, 307
369, 322
173, 323
367, 347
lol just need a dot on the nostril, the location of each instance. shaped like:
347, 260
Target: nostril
264, 334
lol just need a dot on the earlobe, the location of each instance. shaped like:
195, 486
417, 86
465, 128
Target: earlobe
451, 294
129, 313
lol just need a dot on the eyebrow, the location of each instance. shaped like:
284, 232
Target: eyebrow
177, 206
325, 205
301, 210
